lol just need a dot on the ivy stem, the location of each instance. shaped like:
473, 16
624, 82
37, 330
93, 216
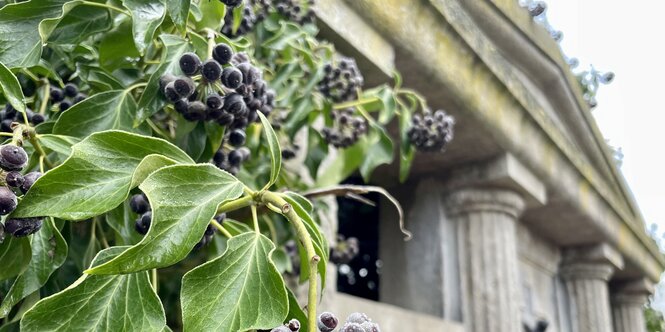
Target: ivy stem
255, 219
45, 96
103, 5
211, 43
32, 137
357, 102
7, 134
221, 228
154, 279
137, 85
30, 74
287, 210
158, 130
236, 204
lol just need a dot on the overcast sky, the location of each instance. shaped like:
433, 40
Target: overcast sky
625, 37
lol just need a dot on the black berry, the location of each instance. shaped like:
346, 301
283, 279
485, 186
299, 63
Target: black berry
214, 101
71, 90
190, 63
225, 119
181, 106
79, 98
235, 158
237, 137
14, 179
196, 111
8, 201
234, 104
184, 86
143, 223
220, 218
222, 53
28, 180
20, 227
327, 322
431, 132
294, 325
12, 157
351, 327
170, 93
139, 204
357, 317
57, 95
165, 79
232, 77
232, 3
37, 118
211, 70
64, 105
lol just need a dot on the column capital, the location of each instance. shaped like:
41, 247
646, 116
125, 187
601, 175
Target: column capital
592, 261
633, 291
477, 199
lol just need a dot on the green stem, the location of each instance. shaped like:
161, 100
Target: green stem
38, 147
103, 5
158, 130
354, 103
211, 43
287, 210
30, 74
137, 85
255, 219
154, 279
221, 228
236, 204
45, 97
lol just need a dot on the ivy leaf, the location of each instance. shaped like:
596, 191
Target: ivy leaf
275, 150
295, 311
147, 16
116, 46
28, 26
184, 198
152, 100
96, 177
11, 89
406, 151
213, 13
79, 23
379, 152
238, 291
49, 251
103, 111
318, 240
98, 78
60, 144
100, 303
15, 256
179, 11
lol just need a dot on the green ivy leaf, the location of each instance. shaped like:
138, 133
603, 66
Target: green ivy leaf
287, 33
295, 311
275, 150
184, 198
116, 46
379, 152
100, 303
49, 251
179, 11
152, 100
96, 177
147, 16
60, 144
238, 291
98, 78
406, 151
318, 240
15, 254
79, 23
30, 24
103, 111
213, 15
11, 88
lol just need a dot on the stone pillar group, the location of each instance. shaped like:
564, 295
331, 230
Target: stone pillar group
628, 299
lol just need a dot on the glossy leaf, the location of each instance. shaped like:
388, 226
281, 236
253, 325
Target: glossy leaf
116, 46
152, 100
239, 291
100, 303
15, 254
103, 111
184, 198
79, 23
60, 144
30, 23
379, 152
11, 88
49, 251
212, 15
147, 16
275, 150
178, 11
96, 177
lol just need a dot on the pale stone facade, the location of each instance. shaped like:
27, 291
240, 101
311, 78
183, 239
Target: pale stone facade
525, 218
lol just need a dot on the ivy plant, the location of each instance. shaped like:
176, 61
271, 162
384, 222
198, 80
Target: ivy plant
161, 159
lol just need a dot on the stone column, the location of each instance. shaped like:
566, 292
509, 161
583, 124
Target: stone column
587, 272
628, 301
486, 220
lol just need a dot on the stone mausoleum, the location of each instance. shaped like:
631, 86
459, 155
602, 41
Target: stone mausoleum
526, 217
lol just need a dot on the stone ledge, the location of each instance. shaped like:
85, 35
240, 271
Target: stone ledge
389, 317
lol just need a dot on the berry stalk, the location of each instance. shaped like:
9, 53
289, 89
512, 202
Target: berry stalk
271, 198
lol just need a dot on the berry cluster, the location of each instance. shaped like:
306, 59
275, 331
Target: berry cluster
12, 160
346, 129
140, 205
10, 115
341, 81
229, 91
345, 250
298, 11
431, 132
67, 96
247, 23
356, 322
292, 326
